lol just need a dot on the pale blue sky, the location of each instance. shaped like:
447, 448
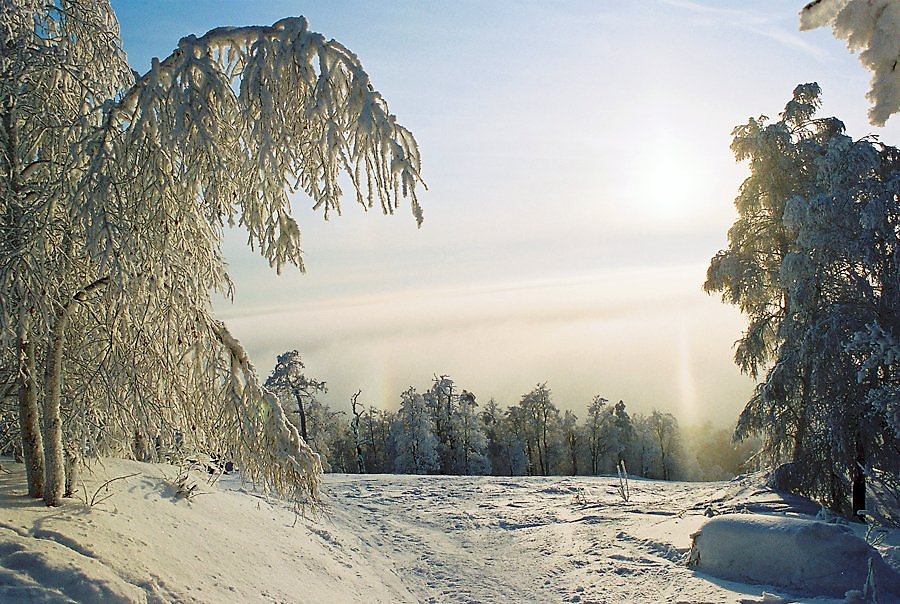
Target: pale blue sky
579, 179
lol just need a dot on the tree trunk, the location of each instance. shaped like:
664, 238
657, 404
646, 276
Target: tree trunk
29, 418
54, 472
574, 454
302, 413
859, 480
354, 425
71, 471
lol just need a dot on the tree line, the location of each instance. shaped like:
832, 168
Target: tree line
445, 430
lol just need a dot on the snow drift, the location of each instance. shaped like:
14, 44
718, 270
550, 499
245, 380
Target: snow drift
804, 556
380, 538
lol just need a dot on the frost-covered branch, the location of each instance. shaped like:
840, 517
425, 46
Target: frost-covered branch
870, 27
129, 185
304, 111
267, 447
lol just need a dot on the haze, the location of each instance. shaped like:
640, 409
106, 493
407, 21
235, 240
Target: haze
579, 179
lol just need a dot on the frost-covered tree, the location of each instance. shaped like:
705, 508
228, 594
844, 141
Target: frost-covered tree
843, 286
115, 194
443, 400
598, 432
58, 65
506, 446
623, 431
375, 429
415, 442
832, 283
357, 409
748, 274
288, 379
541, 422
571, 434
643, 455
870, 27
664, 428
471, 452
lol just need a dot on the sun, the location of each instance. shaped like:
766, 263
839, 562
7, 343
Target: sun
669, 189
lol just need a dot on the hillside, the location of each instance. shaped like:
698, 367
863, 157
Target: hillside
379, 539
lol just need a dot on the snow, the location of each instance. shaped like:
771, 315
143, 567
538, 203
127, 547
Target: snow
811, 557
870, 27
379, 538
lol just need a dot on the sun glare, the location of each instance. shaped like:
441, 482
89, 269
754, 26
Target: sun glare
660, 184
667, 191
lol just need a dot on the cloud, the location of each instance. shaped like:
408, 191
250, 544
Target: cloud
755, 21
640, 335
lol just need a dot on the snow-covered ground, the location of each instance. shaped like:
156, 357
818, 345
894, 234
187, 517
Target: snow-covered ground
379, 539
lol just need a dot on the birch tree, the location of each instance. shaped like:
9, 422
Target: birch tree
116, 191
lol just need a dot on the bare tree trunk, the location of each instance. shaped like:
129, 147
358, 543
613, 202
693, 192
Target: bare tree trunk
54, 472
354, 424
302, 413
71, 471
29, 417
858, 496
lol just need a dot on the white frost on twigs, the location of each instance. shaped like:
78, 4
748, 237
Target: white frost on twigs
871, 27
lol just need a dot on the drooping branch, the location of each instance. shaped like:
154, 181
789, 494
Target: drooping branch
268, 448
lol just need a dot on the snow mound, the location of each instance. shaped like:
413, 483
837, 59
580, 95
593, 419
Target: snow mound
803, 556
141, 542
41, 570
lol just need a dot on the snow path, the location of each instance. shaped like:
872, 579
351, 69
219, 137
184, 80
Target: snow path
488, 539
379, 538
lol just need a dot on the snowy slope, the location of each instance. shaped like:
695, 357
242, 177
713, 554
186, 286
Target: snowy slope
380, 539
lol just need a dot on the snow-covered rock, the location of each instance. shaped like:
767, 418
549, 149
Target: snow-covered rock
801, 555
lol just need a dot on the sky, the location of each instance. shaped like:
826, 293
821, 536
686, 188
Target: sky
579, 180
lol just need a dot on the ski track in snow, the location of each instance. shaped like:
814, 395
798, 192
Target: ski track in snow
378, 538
489, 539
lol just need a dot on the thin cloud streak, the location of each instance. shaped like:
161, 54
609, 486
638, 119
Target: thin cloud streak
755, 22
